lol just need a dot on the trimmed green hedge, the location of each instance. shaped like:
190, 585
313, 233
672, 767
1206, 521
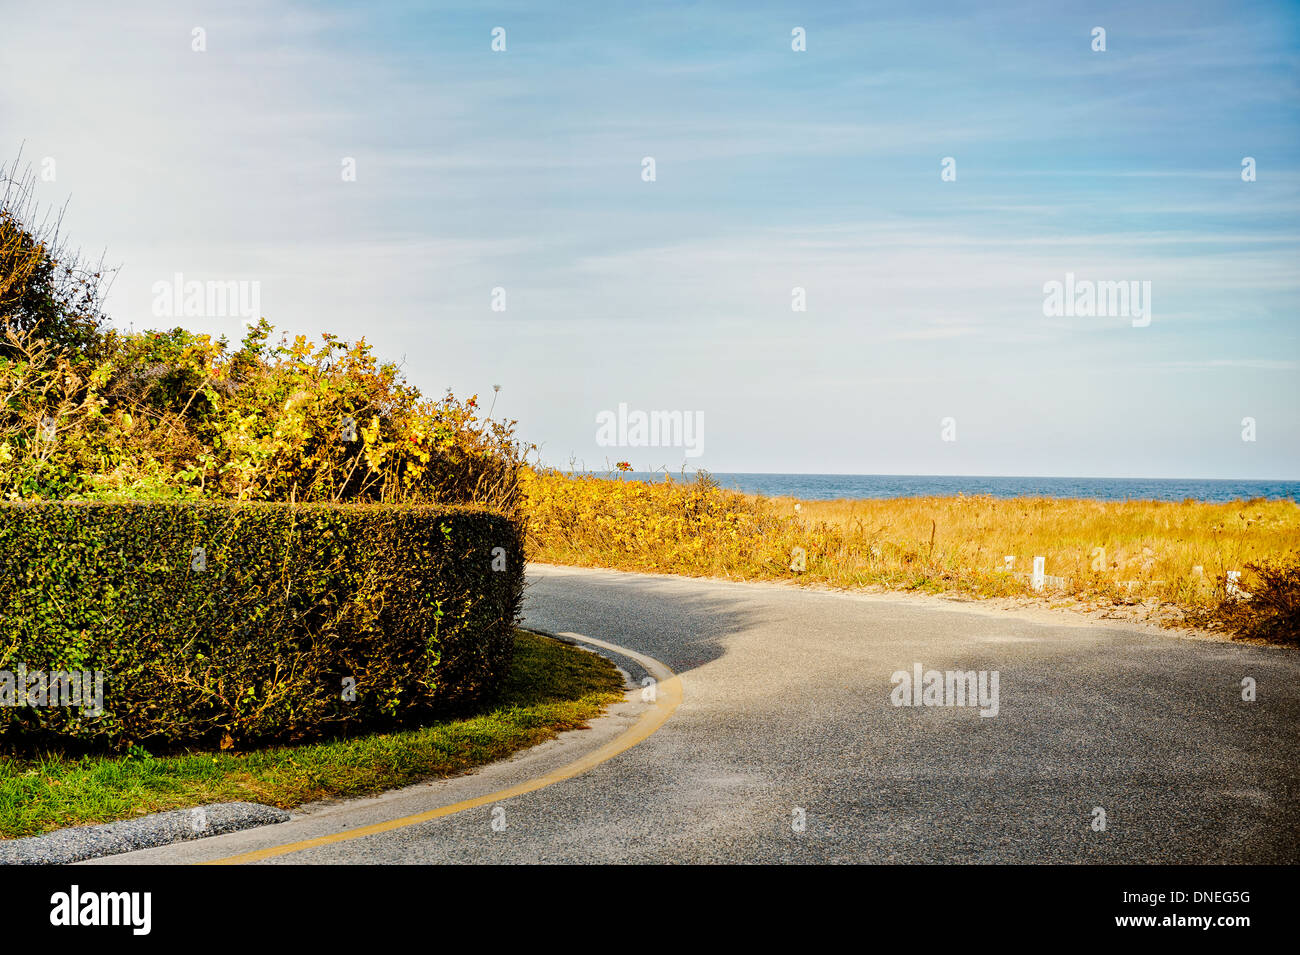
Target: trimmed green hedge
232, 623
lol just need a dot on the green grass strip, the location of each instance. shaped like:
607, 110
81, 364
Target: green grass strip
552, 687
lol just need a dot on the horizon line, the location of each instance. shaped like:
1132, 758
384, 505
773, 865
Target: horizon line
1062, 477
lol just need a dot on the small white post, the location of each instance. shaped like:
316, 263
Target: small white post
1232, 585
1038, 578
1010, 562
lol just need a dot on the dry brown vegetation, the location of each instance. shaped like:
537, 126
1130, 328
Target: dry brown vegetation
1120, 549
1170, 557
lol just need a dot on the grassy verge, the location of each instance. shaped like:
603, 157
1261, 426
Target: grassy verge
552, 687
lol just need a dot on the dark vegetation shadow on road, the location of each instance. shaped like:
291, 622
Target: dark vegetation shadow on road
681, 628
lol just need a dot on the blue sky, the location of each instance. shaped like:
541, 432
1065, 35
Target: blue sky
774, 169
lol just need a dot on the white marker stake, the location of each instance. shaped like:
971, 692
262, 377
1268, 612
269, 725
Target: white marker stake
1232, 586
1039, 578
1009, 561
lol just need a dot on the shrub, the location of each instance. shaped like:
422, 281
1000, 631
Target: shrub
46, 289
1271, 611
673, 526
176, 414
252, 637
87, 411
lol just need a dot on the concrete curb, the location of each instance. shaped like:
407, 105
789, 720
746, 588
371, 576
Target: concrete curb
158, 829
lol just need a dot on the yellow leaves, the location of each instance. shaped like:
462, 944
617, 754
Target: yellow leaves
266, 415
296, 399
374, 451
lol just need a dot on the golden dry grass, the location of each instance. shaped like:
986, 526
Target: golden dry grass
1147, 548
956, 544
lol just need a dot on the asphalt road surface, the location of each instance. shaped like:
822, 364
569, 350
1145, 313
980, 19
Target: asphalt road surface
787, 746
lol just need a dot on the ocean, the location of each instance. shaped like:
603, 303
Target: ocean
825, 487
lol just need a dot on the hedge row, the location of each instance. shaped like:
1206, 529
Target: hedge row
230, 623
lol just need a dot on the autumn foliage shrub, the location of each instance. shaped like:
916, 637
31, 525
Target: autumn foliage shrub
176, 414
673, 526
226, 623
1265, 605
88, 411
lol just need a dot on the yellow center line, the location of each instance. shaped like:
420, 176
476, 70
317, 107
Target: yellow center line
668, 696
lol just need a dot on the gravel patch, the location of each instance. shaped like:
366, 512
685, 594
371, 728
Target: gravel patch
158, 829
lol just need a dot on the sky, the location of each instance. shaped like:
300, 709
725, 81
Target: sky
923, 347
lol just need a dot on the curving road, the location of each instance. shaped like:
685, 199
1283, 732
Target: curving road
786, 723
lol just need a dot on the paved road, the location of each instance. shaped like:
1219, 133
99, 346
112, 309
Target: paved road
787, 706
